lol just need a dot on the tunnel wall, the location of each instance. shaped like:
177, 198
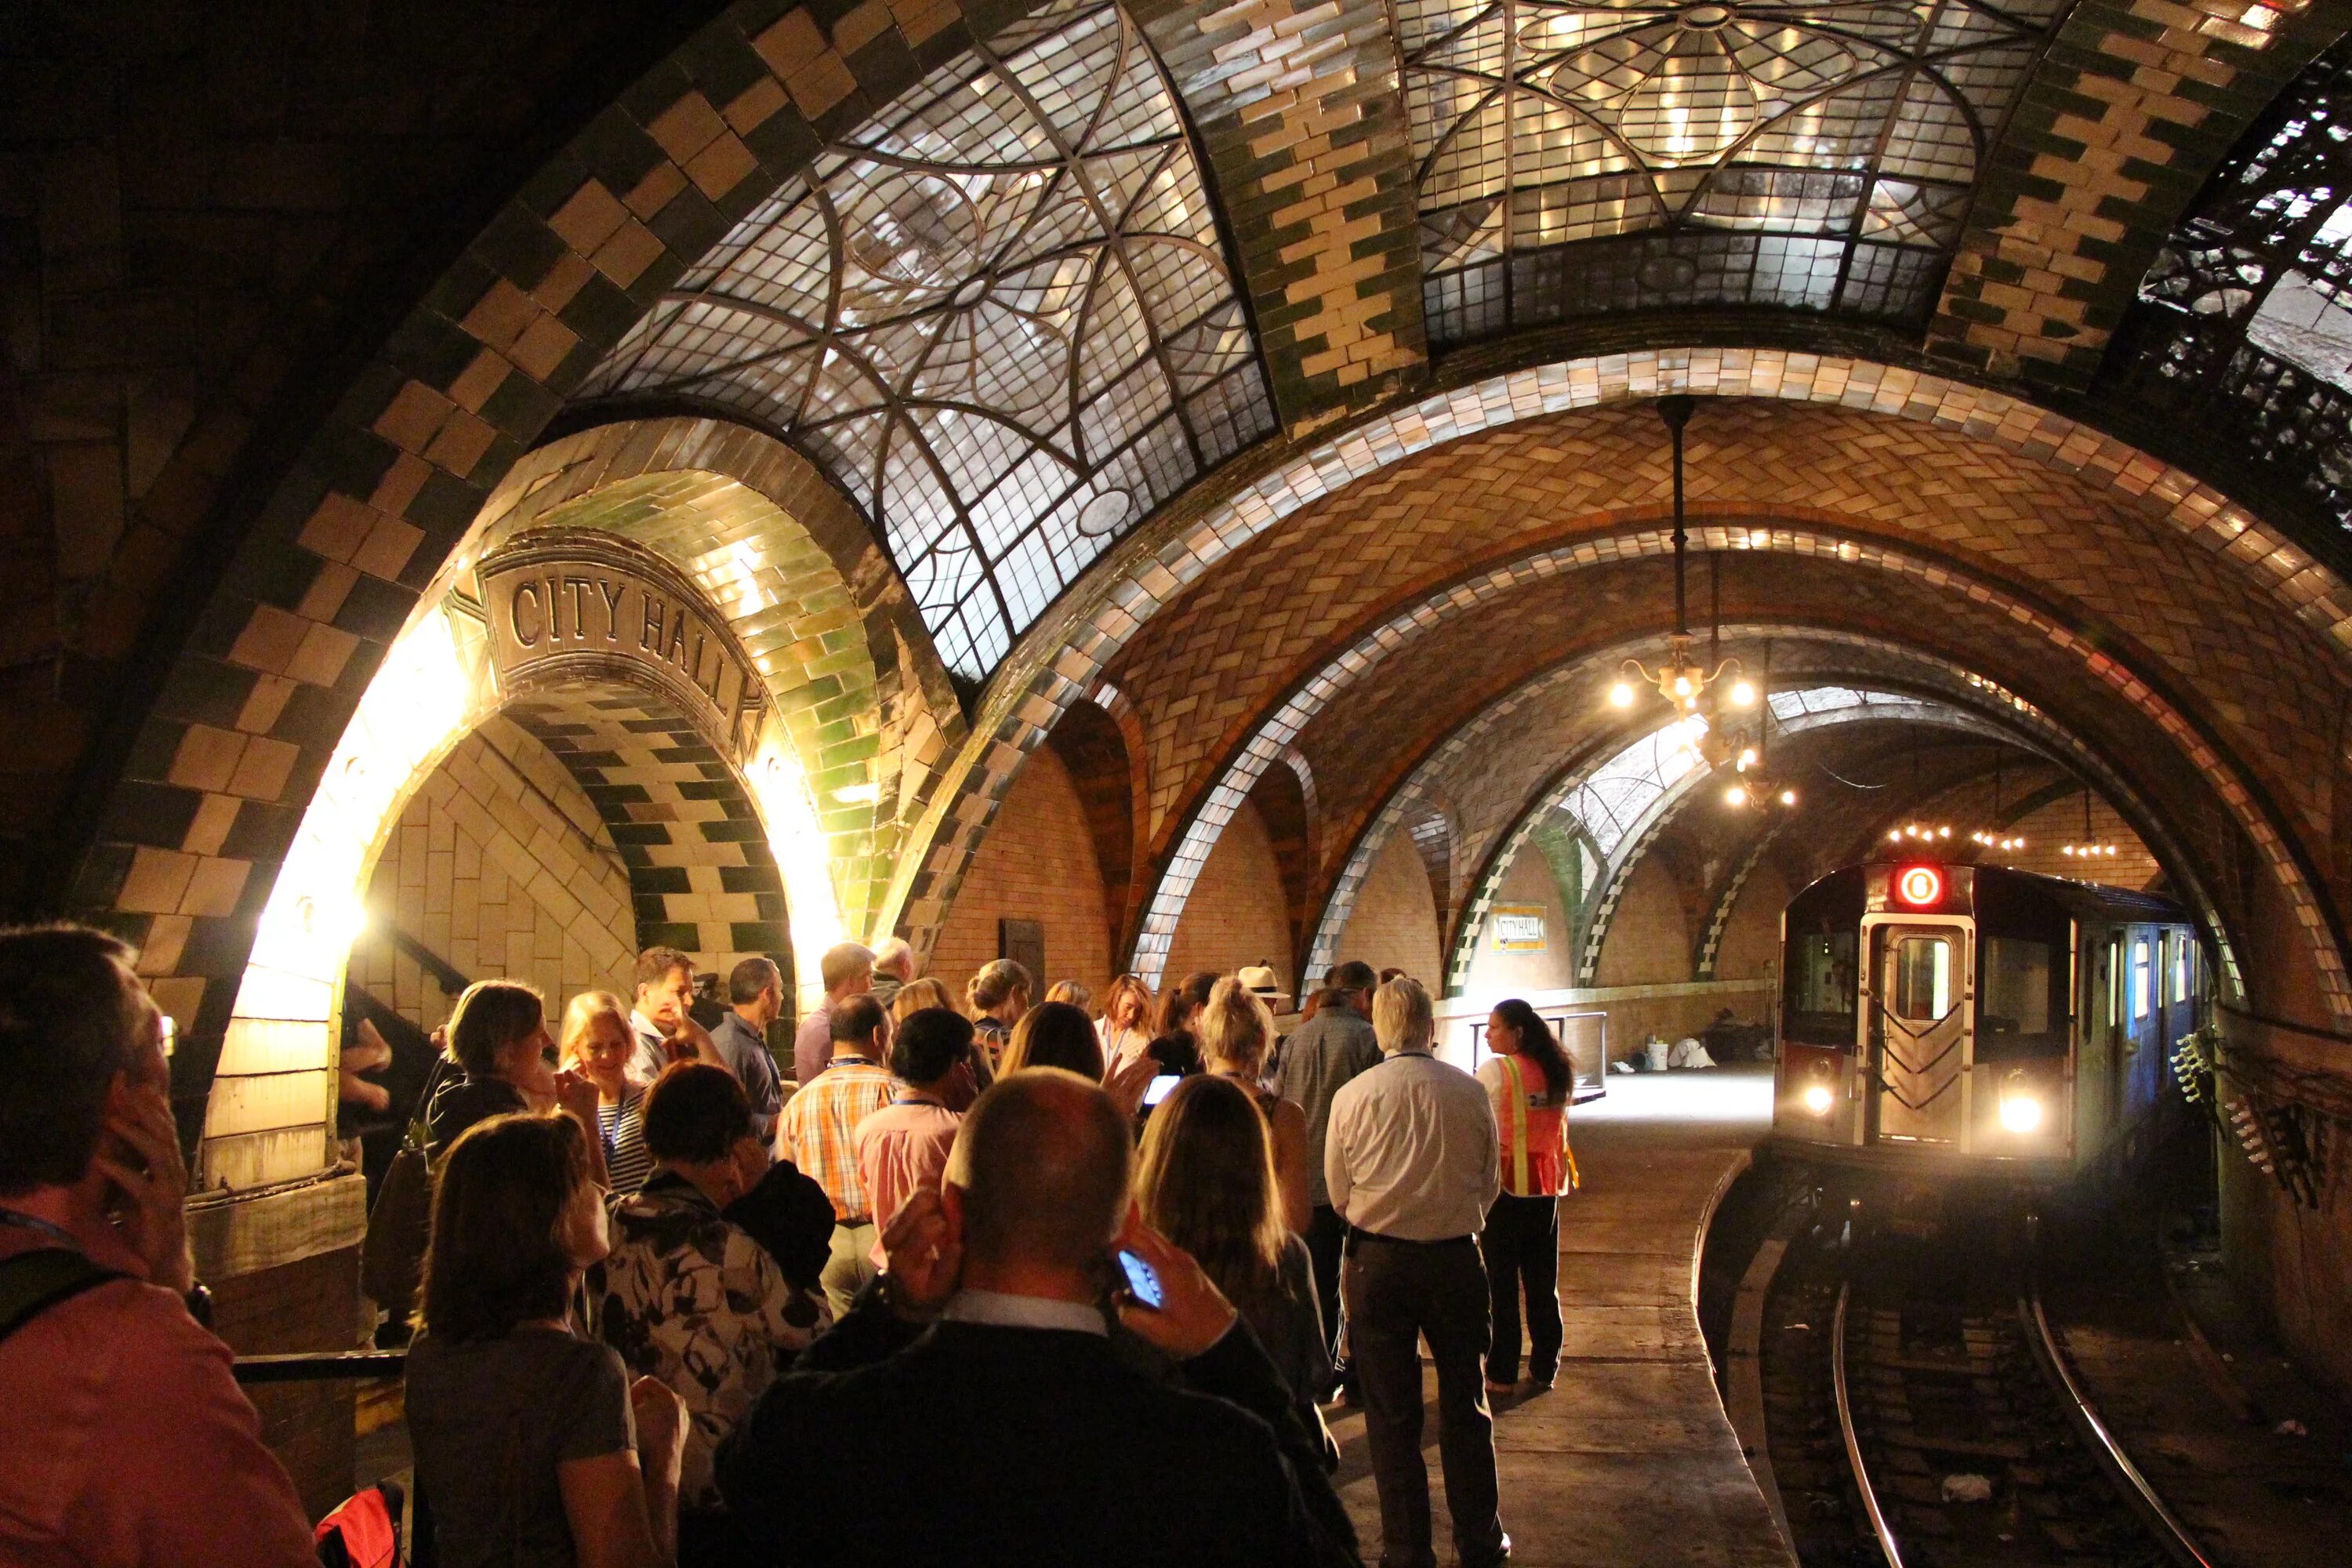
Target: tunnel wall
1394, 921
1650, 940
1751, 948
1037, 863
500, 866
1529, 882
1235, 915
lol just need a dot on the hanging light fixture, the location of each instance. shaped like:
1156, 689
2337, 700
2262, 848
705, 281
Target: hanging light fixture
1680, 679
2091, 847
1993, 837
1753, 764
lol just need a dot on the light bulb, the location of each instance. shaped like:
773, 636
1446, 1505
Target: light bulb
1947, 832
1621, 695
1736, 795
1743, 694
1787, 797
1746, 758
1682, 686
1895, 833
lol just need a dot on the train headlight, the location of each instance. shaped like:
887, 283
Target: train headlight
2020, 1107
1818, 1098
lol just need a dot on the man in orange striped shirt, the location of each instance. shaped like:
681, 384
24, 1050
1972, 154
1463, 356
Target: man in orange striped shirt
817, 1132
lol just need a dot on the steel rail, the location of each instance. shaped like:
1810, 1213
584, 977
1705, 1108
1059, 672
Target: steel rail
1887, 1544
2170, 1532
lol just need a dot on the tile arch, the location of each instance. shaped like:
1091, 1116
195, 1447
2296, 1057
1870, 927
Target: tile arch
2124, 675
317, 588
1934, 677
813, 598
1071, 647
705, 821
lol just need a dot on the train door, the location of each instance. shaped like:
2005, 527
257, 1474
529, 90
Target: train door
1921, 974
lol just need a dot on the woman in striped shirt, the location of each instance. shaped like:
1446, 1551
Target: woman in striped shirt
597, 1044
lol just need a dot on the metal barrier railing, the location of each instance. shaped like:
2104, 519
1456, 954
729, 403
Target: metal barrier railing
320, 1367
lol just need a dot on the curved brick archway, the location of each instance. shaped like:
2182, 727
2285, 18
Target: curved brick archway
1503, 821
1098, 622
815, 602
2123, 676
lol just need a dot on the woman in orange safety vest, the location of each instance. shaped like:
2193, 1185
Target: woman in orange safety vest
1527, 1081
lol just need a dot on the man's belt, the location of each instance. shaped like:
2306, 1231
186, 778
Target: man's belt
1356, 1234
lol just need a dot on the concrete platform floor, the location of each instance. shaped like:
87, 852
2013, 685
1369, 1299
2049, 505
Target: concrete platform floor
1630, 1459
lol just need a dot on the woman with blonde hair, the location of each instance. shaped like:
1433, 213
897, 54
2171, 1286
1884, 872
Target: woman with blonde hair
1074, 992
994, 1000
1235, 1031
1206, 1182
917, 994
597, 1044
1054, 1035
1124, 1026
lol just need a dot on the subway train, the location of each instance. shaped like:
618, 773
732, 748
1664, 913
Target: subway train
1938, 1016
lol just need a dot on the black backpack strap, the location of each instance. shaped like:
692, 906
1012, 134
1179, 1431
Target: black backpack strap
33, 1283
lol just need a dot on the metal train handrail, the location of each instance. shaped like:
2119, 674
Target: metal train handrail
2170, 1533
1886, 1545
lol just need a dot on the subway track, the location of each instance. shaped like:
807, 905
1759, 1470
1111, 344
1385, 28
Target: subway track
1921, 1414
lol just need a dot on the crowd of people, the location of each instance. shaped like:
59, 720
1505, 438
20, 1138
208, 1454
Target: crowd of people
996, 1282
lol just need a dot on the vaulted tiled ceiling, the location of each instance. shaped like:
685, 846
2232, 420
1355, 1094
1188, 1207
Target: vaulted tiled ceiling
999, 315
1581, 158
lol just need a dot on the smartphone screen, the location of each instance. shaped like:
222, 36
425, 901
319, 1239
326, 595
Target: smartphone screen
1157, 1091
1142, 1280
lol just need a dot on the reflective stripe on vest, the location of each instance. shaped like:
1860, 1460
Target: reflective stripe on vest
1517, 1091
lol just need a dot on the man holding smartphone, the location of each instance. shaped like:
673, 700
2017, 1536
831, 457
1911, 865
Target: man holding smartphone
985, 1368
127, 1439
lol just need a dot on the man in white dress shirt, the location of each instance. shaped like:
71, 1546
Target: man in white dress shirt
1414, 1162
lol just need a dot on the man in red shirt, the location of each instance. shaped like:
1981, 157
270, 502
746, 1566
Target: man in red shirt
902, 1149
129, 1442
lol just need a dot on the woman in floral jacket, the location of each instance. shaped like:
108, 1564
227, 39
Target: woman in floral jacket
689, 1297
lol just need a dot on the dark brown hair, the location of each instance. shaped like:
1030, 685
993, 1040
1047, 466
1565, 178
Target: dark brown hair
1535, 1043
1180, 1001
1055, 1035
492, 1015
497, 1254
695, 1112
1207, 1182
68, 1006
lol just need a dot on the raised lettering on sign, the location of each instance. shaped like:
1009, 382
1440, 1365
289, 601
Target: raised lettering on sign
542, 612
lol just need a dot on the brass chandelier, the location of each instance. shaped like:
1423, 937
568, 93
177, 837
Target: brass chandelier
1681, 680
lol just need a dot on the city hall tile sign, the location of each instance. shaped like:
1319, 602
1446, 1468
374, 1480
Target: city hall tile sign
568, 609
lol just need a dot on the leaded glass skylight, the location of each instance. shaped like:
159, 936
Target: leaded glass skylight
999, 316
2245, 326
1606, 156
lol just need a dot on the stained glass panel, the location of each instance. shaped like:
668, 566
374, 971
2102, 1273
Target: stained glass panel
999, 316
1576, 158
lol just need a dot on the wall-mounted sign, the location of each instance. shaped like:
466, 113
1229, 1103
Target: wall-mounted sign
1516, 928
571, 603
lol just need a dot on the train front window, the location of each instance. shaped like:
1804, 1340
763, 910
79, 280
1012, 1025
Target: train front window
1923, 979
1820, 990
2021, 1007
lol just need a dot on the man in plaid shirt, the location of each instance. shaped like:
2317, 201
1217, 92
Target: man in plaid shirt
816, 1131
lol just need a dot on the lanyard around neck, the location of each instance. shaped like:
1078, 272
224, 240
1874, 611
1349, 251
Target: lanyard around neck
34, 1222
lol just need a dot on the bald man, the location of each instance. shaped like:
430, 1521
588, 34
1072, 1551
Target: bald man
992, 1412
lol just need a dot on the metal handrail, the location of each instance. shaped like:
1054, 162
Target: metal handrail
2174, 1536
1878, 1524
320, 1367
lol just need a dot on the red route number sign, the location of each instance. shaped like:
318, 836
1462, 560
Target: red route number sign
1918, 886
